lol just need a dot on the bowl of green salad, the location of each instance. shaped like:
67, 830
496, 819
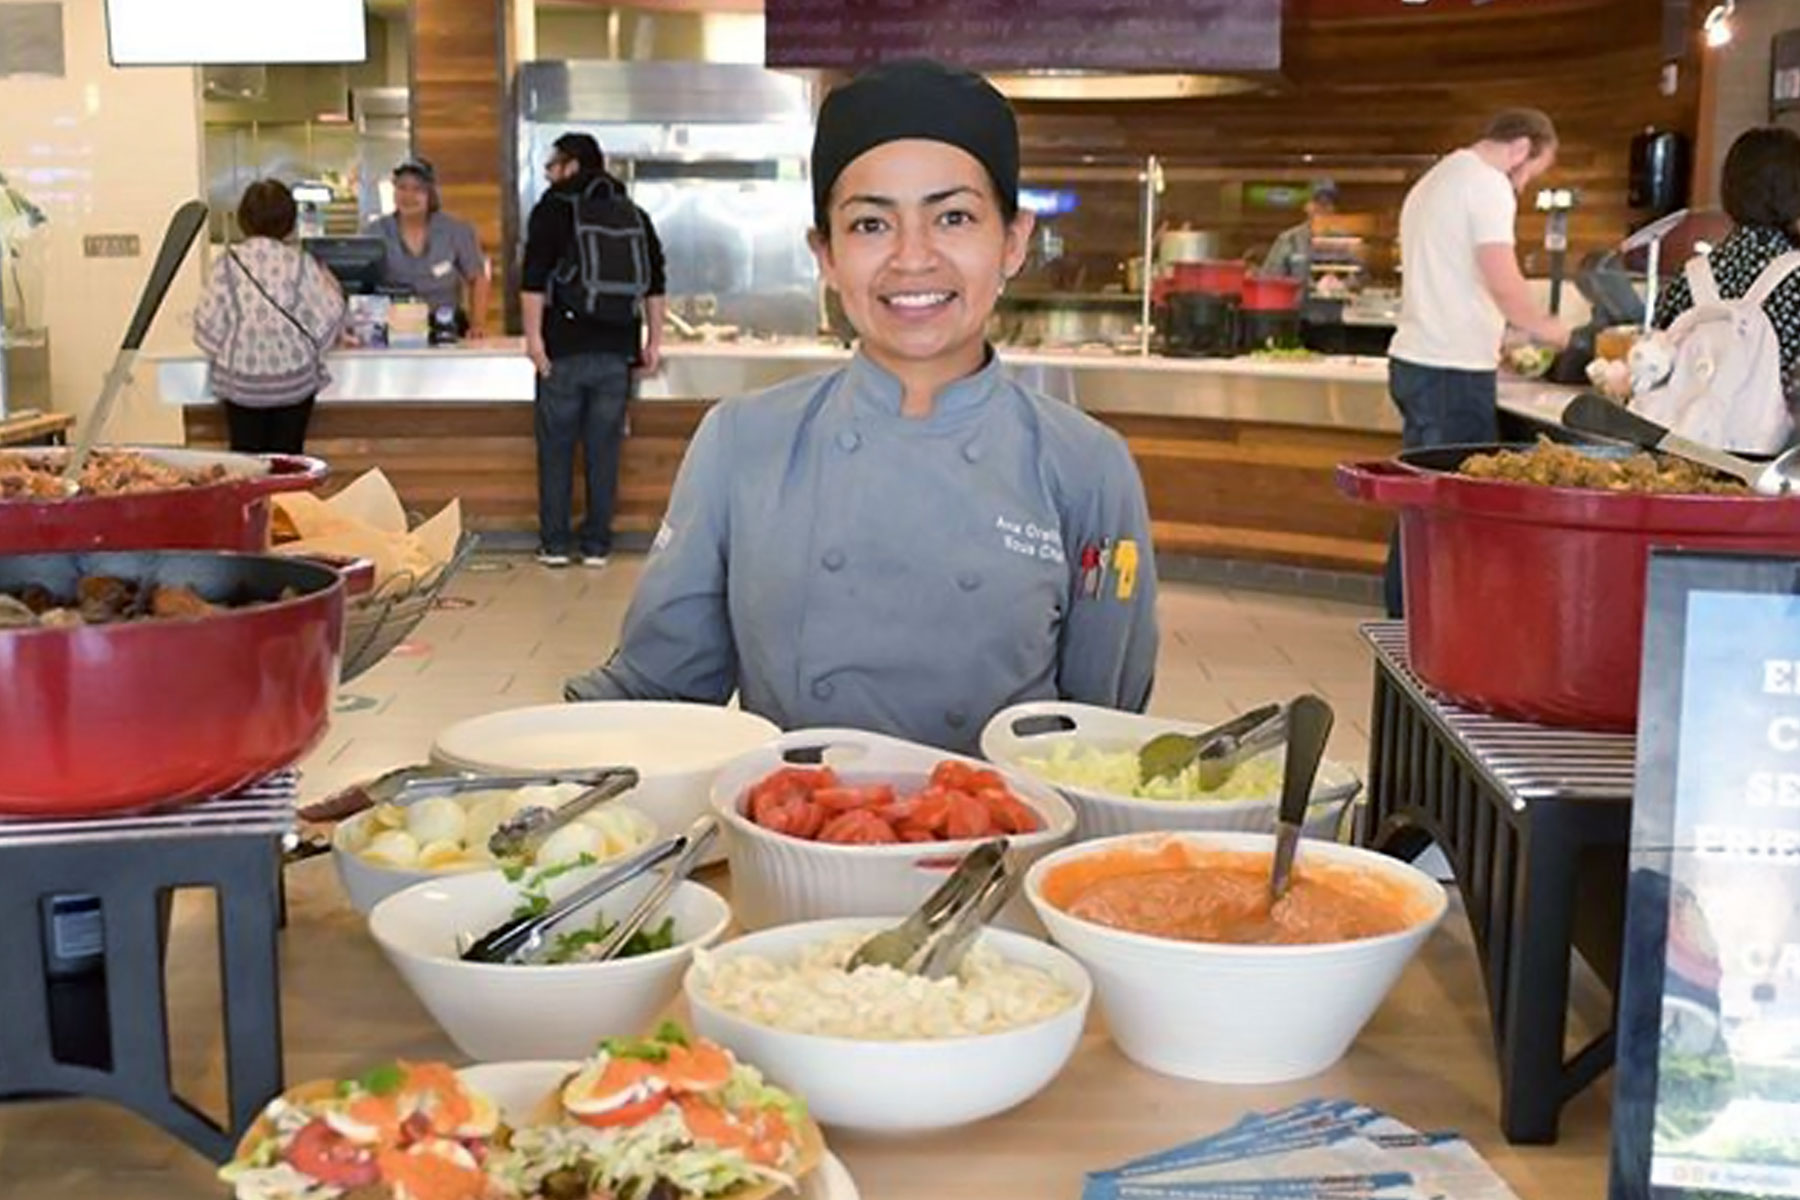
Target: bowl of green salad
559, 1005
1089, 754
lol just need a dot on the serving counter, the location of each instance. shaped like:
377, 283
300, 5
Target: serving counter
1236, 454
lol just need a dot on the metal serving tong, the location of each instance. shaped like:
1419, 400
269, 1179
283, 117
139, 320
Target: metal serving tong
1309, 722
933, 940
522, 939
1218, 751
520, 835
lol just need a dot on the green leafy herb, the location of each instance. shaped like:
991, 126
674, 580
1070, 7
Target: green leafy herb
384, 1080
568, 947
534, 898
669, 1032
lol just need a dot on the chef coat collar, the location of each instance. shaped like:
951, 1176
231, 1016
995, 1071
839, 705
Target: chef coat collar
877, 389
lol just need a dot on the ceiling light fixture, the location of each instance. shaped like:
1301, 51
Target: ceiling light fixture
1718, 24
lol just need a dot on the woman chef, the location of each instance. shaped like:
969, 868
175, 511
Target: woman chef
912, 542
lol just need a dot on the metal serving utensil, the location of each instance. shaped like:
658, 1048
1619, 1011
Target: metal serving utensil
521, 834
1309, 728
699, 837
1595, 414
428, 787
933, 940
522, 938
1218, 750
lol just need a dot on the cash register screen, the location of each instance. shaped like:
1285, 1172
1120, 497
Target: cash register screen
155, 33
356, 261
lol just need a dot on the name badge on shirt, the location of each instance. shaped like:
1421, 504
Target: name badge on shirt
441, 269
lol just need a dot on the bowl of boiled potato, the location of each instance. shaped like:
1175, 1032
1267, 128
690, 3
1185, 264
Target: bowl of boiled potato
387, 848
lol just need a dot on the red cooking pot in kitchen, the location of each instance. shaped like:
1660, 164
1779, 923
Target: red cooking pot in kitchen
1271, 293
97, 719
231, 514
1527, 601
1214, 277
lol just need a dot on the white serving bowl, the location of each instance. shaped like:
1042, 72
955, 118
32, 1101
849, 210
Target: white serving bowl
367, 882
535, 1012
1235, 1013
676, 748
780, 880
1007, 742
900, 1087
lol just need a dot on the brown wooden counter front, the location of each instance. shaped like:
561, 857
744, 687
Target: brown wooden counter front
1217, 488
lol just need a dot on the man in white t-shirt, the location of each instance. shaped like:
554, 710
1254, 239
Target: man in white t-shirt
1462, 287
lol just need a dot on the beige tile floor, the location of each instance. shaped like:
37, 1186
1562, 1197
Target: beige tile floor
1427, 1056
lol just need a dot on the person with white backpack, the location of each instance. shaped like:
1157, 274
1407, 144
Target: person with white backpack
1720, 370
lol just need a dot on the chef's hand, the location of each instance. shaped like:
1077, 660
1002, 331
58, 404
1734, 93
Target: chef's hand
540, 357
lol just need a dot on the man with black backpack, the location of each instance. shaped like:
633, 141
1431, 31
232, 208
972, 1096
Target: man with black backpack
593, 296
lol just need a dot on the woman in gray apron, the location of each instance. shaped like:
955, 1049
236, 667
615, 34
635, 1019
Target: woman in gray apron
432, 255
913, 541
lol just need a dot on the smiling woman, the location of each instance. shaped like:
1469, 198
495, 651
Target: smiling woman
913, 542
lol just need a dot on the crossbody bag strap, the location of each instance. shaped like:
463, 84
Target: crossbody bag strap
289, 317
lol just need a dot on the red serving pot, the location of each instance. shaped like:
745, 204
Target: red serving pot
232, 514
1528, 602
1271, 293
1214, 277
110, 718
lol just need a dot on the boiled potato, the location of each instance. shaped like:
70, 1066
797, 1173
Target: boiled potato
395, 848
439, 819
570, 843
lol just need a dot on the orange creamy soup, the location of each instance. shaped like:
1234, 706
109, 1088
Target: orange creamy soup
1190, 895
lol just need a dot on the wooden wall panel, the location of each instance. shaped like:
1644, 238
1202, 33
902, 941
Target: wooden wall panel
1372, 84
461, 65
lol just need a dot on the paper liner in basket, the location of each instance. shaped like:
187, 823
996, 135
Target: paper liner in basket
367, 520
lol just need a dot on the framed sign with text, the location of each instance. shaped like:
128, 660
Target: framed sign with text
1706, 1103
1784, 74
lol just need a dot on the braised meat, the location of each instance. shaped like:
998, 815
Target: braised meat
1549, 464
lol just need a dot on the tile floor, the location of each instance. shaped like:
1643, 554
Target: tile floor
1426, 1056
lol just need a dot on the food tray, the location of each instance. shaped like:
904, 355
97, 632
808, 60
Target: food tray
381, 620
1031, 730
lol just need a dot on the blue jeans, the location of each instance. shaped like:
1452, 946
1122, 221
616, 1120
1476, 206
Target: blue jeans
583, 400
1438, 407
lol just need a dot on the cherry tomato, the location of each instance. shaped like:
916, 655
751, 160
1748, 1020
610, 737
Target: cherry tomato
967, 818
858, 828
320, 1151
1009, 813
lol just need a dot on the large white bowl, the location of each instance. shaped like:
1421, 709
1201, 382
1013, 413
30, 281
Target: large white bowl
676, 748
534, 1012
1230, 1013
517, 1088
367, 883
780, 880
902, 1086
1008, 740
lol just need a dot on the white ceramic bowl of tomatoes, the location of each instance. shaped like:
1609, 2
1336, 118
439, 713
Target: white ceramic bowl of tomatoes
842, 823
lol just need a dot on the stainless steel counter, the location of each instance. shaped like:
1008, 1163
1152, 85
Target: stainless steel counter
1332, 393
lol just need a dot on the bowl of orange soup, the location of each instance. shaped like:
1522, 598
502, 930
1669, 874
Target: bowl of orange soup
1200, 978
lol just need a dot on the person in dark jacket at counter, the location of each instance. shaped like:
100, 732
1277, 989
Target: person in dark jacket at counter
913, 541
431, 254
593, 289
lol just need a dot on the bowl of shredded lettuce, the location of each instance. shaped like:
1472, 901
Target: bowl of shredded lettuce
1090, 755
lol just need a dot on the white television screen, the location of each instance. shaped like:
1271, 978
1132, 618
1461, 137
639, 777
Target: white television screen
163, 33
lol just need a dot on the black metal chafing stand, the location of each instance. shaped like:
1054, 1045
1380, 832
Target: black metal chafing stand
83, 1003
1536, 823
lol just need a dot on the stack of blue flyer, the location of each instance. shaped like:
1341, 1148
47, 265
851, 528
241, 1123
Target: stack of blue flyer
1328, 1149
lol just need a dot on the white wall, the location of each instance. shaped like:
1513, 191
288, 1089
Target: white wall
104, 150
1741, 79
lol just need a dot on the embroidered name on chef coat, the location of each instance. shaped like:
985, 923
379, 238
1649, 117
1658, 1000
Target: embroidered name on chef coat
1030, 540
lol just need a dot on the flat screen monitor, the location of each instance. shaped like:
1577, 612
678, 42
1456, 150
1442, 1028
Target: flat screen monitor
356, 261
176, 33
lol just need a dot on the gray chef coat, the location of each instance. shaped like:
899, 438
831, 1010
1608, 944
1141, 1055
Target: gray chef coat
838, 564
452, 254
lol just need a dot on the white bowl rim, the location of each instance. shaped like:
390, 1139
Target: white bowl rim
496, 767
547, 970
829, 926
1059, 823
1221, 839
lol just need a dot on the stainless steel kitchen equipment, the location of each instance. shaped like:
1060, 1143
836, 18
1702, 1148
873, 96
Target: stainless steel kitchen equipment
716, 153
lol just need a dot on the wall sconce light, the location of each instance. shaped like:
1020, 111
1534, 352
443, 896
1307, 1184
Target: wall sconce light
1718, 24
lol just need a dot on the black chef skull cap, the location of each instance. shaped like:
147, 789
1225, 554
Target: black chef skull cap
921, 99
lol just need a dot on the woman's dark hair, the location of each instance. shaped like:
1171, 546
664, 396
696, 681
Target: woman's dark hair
267, 210
1760, 184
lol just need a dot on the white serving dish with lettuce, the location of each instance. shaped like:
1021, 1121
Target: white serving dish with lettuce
1089, 754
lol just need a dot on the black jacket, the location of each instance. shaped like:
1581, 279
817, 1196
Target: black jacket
549, 242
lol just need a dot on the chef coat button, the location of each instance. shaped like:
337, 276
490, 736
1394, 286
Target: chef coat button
972, 451
849, 441
833, 560
968, 581
822, 689
956, 718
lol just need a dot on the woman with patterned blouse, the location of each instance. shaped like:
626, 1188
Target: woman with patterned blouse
1760, 191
